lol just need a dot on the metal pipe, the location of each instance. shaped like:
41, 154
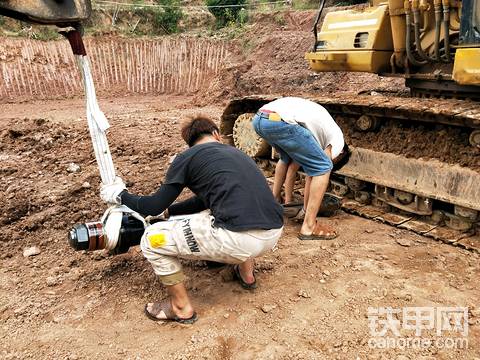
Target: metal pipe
411, 58
446, 28
398, 28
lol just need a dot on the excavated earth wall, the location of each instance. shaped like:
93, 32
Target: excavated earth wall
32, 69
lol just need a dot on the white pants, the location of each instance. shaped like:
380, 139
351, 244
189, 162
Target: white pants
195, 237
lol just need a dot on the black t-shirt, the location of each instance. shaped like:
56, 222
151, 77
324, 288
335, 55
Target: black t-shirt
228, 183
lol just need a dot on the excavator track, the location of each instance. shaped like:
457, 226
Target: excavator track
378, 211
428, 196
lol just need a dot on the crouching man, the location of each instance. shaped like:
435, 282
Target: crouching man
232, 218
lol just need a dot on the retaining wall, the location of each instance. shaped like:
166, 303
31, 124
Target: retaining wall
42, 70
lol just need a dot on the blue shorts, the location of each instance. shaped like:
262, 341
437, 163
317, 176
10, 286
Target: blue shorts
293, 142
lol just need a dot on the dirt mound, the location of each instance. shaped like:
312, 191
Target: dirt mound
270, 60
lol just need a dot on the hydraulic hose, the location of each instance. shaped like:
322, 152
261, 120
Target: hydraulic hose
416, 25
315, 24
446, 28
408, 39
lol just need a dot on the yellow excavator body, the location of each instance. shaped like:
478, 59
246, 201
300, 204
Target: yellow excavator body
404, 38
466, 69
354, 40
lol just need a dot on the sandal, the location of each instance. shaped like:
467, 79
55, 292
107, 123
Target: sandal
320, 232
330, 205
300, 216
166, 306
238, 277
294, 212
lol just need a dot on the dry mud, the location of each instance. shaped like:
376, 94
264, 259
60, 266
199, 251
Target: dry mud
313, 298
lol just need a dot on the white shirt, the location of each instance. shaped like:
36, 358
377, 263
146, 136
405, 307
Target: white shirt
314, 117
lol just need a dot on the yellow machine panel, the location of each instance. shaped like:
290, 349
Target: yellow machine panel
354, 41
466, 68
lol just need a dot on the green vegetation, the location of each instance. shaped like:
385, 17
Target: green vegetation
45, 33
18, 28
143, 19
227, 11
166, 19
305, 5
280, 19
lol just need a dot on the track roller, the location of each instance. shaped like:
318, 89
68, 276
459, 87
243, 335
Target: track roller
403, 200
474, 138
466, 213
367, 123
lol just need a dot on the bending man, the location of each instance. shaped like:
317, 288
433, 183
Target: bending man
232, 218
303, 133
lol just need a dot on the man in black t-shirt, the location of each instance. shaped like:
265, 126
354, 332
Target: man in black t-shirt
232, 218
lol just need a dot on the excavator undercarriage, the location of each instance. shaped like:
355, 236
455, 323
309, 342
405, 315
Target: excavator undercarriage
427, 195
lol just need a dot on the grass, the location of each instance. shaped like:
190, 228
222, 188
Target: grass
280, 19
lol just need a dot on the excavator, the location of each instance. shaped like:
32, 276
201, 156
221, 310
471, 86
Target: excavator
415, 162
416, 182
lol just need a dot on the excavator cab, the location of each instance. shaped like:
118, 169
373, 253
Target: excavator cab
55, 12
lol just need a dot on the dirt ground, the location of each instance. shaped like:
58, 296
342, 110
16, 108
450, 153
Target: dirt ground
313, 298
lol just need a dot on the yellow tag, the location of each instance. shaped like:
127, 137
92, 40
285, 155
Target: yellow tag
157, 240
274, 117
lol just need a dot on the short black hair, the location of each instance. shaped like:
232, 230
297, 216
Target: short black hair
194, 128
343, 158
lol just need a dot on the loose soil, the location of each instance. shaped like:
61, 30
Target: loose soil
428, 141
313, 298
